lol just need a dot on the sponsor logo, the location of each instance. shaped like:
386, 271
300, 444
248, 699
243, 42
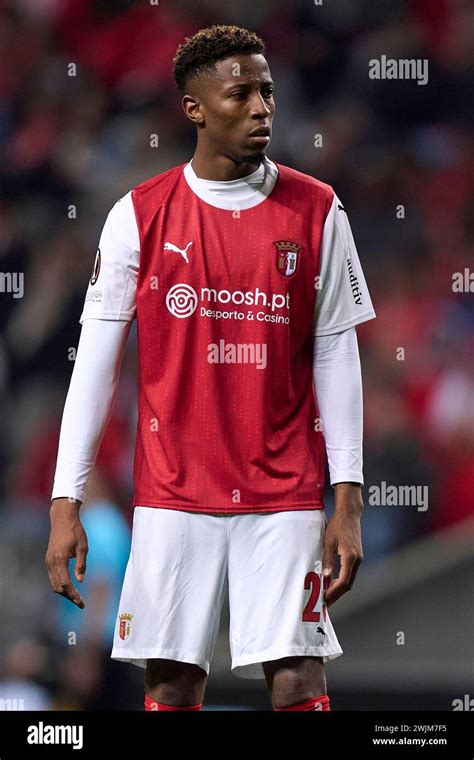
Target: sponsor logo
354, 281
286, 256
182, 251
95, 268
255, 297
181, 300
124, 625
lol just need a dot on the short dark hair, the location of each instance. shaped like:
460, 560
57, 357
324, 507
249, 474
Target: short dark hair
201, 51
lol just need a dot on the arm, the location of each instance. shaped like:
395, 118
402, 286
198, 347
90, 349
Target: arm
89, 403
343, 301
337, 378
109, 307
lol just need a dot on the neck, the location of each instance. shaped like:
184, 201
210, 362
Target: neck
221, 168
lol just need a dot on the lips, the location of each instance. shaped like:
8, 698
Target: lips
260, 135
260, 132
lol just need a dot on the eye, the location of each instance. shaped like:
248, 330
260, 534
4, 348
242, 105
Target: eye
269, 92
238, 94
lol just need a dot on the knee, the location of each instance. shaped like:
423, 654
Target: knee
175, 683
295, 680
290, 688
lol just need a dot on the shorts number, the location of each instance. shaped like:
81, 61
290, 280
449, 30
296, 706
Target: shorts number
313, 582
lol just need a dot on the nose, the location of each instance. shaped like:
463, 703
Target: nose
260, 108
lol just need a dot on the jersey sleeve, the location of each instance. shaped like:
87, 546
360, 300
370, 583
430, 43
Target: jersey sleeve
89, 404
111, 293
342, 296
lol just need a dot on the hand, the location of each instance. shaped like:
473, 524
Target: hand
67, 539
343, 537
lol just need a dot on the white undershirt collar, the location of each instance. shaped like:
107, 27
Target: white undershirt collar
242, 193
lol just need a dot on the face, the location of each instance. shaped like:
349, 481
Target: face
229, 104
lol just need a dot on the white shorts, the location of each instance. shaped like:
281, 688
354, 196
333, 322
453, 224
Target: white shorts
175, 585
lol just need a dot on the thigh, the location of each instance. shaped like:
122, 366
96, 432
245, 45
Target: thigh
275, 590
173, 588
181, 675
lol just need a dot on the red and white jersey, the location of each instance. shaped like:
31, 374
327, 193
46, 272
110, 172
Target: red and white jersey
228, 297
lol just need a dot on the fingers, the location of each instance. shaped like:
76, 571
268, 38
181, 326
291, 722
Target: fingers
58, 571
329, 552
70, 592
80, 564
350, 563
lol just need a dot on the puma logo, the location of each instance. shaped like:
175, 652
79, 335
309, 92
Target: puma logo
171, 247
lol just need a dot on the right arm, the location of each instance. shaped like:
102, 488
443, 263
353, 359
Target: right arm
89, 404
109, 308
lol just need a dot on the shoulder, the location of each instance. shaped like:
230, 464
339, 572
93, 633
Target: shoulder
159, 182
306, 186
120, 220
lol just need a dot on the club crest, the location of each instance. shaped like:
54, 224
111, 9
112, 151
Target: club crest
125, 624
287, 256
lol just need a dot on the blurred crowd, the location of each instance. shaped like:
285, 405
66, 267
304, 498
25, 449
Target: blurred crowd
83, 86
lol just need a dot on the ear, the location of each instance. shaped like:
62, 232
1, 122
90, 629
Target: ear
192, 107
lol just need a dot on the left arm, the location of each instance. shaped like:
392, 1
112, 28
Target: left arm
337, 378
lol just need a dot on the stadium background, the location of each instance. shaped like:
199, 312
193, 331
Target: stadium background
79, 143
